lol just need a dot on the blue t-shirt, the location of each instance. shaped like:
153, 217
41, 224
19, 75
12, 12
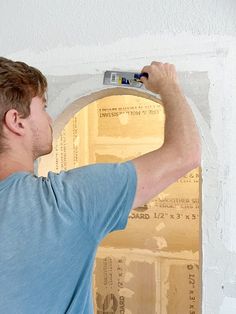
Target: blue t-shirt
49, 232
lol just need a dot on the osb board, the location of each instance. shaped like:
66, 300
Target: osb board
170, 222
115, 129
117, 114
114, 120
131, 283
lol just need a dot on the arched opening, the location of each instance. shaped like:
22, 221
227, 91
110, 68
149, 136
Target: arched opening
152, 266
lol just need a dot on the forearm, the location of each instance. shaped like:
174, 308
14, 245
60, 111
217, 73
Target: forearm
181, 132
181, 149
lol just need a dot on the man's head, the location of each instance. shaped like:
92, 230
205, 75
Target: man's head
23, 119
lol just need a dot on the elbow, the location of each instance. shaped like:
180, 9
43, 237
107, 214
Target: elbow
197, 154
197, 158
191, 158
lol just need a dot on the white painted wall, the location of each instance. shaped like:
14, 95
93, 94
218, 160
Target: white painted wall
73, 42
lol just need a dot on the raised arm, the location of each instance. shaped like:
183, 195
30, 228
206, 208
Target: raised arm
181, 149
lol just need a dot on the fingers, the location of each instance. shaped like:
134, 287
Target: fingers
153, 67
159, 68
159, 75
156, 63
146, 69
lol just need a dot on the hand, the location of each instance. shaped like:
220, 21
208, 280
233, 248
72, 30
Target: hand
160, 76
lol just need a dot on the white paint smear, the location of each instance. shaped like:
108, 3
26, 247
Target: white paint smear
160, 226
161, 242
124, 118
128, 276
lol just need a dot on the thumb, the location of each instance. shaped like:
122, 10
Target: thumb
143, 79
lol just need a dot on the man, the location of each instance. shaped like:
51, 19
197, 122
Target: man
50, 227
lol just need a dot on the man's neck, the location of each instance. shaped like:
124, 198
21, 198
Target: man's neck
11, 164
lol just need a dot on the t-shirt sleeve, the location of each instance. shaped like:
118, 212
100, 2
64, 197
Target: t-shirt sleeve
100, 195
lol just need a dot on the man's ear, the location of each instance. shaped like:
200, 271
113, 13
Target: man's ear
14, 122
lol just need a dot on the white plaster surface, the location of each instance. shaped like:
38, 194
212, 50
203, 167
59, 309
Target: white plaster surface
74, 42
26, 24
228, 306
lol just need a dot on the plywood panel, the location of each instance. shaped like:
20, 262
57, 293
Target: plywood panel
136, 283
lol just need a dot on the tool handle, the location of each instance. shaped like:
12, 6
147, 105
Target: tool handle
137, 76
145, 74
